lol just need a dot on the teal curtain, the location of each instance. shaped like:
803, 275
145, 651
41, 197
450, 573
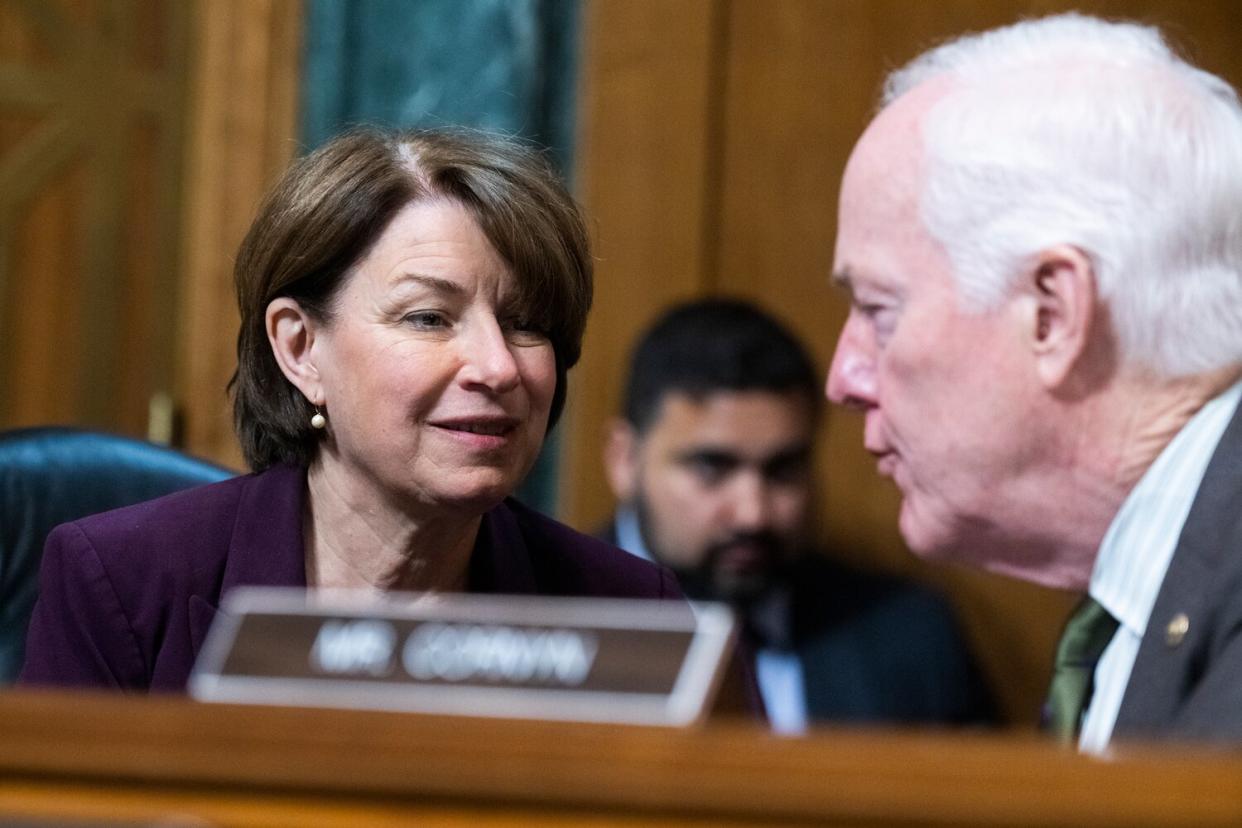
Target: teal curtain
505, 65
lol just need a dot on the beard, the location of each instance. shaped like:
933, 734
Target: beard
738, 569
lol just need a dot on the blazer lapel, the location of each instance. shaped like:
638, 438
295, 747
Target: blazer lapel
266, 548
201, 614
1178, 634
500, 561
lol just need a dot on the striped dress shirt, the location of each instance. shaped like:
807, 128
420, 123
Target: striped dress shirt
1135, 554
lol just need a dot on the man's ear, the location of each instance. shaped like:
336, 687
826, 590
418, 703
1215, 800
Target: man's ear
621, 459
1061, 285
291, 332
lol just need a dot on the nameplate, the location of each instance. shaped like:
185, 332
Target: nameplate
576, 659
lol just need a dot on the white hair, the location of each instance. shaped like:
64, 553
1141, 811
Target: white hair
1073, 130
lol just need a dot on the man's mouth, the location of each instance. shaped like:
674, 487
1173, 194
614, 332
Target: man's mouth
746, 554
742, 557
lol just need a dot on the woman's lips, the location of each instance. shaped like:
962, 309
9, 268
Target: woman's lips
479, 432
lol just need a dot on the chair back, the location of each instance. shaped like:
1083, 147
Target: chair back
49, 476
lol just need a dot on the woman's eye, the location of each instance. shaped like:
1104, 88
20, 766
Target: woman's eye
523, 331
426, 319
515, 323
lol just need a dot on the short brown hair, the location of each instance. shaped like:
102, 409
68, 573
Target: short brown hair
332, 205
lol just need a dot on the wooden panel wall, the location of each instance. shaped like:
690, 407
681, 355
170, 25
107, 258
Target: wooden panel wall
91, 104
646, 152
242, 130
790, 86
136, 137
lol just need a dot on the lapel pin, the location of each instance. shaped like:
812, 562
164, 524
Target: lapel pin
1177, 629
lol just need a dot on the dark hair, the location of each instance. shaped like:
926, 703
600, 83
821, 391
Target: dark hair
710, 345
330, 208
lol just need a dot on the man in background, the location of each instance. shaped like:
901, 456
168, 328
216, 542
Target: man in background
711, 463
1041, 232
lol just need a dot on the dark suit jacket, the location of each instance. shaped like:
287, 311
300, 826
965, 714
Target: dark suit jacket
881, 649
126, 596
877, 649
1192, 688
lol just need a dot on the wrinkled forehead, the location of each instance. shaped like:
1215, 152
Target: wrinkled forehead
880, 217
888, 162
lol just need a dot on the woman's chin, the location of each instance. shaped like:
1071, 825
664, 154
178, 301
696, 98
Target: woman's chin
473, 496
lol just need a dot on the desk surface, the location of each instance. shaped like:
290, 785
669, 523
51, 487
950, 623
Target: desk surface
98, 757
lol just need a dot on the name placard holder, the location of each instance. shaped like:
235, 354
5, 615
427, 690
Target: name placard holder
572, 659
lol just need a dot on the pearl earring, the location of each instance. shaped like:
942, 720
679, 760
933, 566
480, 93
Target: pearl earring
318, 420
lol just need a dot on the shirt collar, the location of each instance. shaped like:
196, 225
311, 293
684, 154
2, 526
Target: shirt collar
1139, 544
629, 534
770, 616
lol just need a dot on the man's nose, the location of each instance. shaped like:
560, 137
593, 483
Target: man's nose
751, 502
851, 379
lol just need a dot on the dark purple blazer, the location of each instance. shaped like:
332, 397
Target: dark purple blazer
126, 596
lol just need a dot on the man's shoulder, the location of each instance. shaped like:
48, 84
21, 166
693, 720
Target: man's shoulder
829, 594
1187, 683
817, 570
607, 532
882, 647
567, 559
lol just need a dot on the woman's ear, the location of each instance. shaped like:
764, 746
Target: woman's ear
291, 333
1062, 286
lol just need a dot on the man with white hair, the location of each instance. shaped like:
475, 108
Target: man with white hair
1041, 234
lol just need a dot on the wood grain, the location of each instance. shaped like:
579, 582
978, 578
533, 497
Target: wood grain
644, 158
64, 754
238, 144
90, 104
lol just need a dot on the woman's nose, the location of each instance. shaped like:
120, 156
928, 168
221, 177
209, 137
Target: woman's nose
488, 359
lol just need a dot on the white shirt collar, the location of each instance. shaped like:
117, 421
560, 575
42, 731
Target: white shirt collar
771, 615
629, 533
1139, 544
778, 672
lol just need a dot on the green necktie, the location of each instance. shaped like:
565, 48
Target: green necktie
1087, 633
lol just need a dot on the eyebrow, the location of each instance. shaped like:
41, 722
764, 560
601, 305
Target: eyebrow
843, 279
793, 453
433, 282
715, 455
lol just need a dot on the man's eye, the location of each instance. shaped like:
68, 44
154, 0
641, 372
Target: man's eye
882, 317
789, 470
871, 310
709, 470
426, 320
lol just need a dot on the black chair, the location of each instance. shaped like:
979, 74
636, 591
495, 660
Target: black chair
52, 475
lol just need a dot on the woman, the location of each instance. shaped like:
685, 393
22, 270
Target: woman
410, 305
